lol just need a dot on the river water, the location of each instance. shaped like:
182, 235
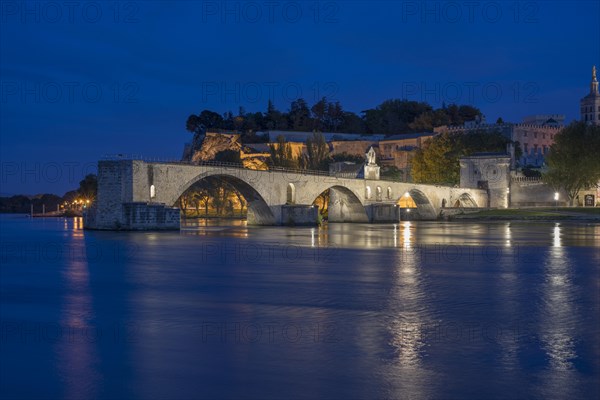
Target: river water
350, 311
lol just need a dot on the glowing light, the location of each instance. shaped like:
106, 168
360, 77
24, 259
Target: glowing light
406, 194
406, 235
555, 196
556, 236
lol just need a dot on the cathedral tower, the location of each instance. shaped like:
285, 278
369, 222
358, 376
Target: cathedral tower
590, 104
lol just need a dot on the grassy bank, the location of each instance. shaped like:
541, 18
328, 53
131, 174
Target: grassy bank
547, 214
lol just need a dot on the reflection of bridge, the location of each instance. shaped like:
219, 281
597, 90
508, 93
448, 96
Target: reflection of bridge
135, 194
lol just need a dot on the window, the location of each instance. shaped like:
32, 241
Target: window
291, 193
368, 192
543, 136
524, 134
525, 147
535, 135
152, 191
389, 192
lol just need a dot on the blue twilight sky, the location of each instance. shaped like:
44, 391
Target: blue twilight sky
87, 78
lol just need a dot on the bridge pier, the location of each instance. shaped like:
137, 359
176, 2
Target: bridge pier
117, 208
383, 213
295, 215
344, 207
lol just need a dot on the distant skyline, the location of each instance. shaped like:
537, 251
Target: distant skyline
84, 79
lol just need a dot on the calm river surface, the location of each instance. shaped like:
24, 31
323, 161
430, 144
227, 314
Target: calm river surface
350, 311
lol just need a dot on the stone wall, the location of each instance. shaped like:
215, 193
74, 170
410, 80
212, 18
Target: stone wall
122, 201
148, 216
299, 215
490, 172
384, 213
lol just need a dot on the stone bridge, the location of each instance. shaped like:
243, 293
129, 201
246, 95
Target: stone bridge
134, 194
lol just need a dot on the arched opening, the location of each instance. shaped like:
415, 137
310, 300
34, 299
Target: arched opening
340, 204
224, 196
415, 202
152, 191
389, 193
465, 200
291, 194
368, 192
378, 193
406, 201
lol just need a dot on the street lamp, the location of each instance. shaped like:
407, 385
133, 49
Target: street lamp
556, 199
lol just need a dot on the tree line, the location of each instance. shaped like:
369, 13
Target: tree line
393, 116
21, 204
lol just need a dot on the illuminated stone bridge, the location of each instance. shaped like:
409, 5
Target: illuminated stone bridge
134, 194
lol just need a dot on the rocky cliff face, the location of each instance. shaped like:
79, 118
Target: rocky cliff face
213, 144
205, 147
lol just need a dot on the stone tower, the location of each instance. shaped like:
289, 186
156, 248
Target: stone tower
590, 104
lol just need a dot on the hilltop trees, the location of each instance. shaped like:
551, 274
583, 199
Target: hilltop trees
393, 116
573, 161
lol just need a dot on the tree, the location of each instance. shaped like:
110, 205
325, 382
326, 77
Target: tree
394, 116
438, 161
352, 123
274, 119
317, 152
207, 119
573, 161
319, 111
429, 120
88, 187
299, 116
335, 116
281, 154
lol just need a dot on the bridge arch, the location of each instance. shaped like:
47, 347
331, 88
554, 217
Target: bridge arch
259, 212
345, 206
424, 206
465, 200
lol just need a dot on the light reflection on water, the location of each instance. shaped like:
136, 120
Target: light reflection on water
76, 353
417, 310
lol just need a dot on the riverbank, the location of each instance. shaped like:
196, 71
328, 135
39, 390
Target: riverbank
52, 214
531, 214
